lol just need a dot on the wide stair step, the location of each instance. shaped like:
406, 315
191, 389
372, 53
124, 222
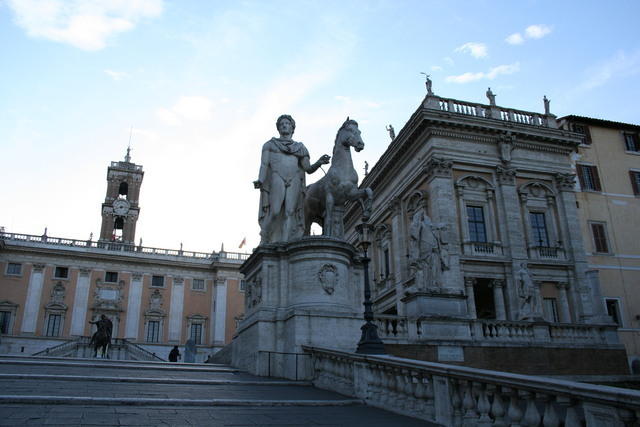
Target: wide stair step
39, 390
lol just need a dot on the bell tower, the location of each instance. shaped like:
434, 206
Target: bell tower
120, 209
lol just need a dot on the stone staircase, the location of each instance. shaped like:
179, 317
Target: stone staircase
120, 349
65, 391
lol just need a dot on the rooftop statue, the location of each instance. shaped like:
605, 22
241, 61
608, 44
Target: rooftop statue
282, 184
325, 199
491, 96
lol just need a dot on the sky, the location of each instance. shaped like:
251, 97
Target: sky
197, 87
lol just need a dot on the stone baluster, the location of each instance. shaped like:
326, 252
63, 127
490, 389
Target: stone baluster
429, 397
374, 384
497, 405
409, 391
514, 412
550, 416
420, 393
471, 302
469, 405
531, 415
498, 298
483, 405
627, 417
456, 402
385, 395
572, 417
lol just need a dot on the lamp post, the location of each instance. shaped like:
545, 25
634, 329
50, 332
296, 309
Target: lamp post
370, 342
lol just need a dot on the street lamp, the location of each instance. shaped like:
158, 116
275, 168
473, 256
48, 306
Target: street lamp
370, 342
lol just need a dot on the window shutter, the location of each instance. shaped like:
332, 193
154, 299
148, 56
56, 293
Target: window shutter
599, 238
635, 182
596, 178
580, 170
587, 135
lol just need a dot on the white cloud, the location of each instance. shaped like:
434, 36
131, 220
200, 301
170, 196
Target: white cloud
116, 75
477, 50
83, 24
537, 31
436, 68
448, 60
490, 75
515, 38
194, 108
619, 65
342, 98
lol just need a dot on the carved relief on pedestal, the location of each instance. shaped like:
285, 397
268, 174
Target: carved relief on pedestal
253, 292
328, 278
155, 300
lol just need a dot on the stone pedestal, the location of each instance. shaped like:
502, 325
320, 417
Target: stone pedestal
307, 292
444, 302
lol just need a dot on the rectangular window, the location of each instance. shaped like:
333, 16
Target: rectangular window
584, 130
589, 178
613, 310
53, 325
197, 284
550, 310
539, 229
635, 182
153, 331
631, 142
5, 318
477, 230
599, 237
243, 285
111, 277
157, 281
14, 269
196, 333
61, 273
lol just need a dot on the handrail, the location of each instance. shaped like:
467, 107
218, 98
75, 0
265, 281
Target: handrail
453, 395
121, 247
141, 349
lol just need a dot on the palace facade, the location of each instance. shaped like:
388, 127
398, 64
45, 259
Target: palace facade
51, 288
479, 255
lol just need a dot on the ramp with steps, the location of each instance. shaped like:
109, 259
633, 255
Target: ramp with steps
63, 391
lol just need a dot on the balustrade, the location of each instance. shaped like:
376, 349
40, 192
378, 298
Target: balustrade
120, 247
461, 396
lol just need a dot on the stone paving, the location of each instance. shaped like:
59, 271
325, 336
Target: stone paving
94, 392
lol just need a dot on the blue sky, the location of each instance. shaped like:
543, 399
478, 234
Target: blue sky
202, 83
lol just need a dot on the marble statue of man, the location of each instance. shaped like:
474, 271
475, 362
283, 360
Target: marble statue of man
527, 294
282, 184
491, 96
427, 251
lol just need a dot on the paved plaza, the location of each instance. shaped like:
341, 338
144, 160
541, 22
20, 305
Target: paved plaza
79, 392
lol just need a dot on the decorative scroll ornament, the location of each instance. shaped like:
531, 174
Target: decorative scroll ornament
328, 278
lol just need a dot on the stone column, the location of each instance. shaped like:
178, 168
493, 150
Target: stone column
133, 307
471, 298
563, 309
212, 311
80, 303
32, 304
175, 310
221, 311
498, 299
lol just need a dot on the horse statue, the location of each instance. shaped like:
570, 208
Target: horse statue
325, 199
101, 339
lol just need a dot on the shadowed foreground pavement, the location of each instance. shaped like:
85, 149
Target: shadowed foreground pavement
83, 392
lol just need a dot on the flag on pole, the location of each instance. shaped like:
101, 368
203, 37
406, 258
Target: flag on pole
244, 242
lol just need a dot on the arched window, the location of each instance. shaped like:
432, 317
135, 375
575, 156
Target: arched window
123, 190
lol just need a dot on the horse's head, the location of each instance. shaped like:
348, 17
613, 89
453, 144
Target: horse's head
349, 135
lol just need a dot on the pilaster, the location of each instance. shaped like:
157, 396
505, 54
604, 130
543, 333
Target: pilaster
34, 295
221, 311
175, 310
80, 303
498, 299
133, 307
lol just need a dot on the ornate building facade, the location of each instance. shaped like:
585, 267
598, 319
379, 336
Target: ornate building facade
479, 254
51, 288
